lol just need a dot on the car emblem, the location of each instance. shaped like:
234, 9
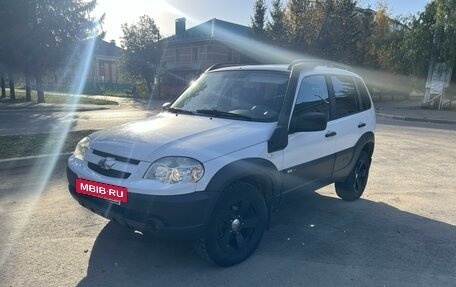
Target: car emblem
107, 163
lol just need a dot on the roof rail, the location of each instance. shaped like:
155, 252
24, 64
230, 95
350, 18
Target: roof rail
317, 62
222, 65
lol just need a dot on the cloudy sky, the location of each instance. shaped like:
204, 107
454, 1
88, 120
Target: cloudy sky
196, 11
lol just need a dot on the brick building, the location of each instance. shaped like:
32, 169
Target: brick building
191, 51
104, 70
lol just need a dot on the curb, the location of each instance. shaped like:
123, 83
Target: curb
413, 119
18, 162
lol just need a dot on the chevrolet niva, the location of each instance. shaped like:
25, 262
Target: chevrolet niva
214, 163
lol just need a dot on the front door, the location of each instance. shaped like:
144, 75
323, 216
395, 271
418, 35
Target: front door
309, 156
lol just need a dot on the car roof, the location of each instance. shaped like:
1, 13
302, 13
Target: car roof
318, 69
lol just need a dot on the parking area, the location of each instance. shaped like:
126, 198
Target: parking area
401, 233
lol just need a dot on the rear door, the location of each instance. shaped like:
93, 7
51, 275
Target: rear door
348, 122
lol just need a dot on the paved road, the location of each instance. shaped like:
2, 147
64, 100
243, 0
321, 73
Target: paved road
44, 121
402, 233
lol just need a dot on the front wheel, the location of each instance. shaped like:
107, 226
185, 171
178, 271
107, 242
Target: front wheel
353, 187
236, 226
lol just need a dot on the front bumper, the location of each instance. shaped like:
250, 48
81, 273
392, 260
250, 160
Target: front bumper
182, 216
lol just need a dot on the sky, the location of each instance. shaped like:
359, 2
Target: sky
164, 12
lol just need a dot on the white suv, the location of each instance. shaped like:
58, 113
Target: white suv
215, 162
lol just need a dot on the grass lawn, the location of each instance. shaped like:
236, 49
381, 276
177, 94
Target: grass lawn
38, 144
53, 98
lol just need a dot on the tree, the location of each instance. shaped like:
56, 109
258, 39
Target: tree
276, 27
259, 19
366, 27
301, 29
444, 31
13, 26
143, 50
2, 85
57, 27
386, 45
40, 35
339, 31
11, 87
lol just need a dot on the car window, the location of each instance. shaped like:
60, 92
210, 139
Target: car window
346, 96
313, 96
364, 94
257, 95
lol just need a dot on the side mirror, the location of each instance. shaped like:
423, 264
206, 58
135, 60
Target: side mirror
166, 106
308, 122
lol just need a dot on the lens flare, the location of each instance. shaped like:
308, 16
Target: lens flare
44, 168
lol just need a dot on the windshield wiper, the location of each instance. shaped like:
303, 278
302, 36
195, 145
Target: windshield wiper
217, 113
180, 111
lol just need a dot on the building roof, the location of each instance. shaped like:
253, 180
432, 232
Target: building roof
211, 29
109, 49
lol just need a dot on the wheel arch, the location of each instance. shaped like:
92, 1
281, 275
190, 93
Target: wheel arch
365, 143
257, 171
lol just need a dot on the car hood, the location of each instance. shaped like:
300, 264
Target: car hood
200, 137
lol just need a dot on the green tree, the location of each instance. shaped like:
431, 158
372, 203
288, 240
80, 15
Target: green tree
276, 26
301, 23
13, 19
444, 31
143, 50
419, 41
57, 28
41, 34
339, 31
259, 19
366, 27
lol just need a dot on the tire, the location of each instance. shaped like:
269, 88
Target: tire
236, 226
353, 187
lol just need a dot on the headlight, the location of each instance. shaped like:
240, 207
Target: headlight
81, 148
175, 170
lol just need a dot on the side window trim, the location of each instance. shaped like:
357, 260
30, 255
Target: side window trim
332, 97
358, 82
358, 93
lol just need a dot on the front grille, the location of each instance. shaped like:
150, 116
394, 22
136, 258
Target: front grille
116, 157
110, 173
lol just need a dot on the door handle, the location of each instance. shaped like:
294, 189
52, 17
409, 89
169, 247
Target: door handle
330, 134
361, 125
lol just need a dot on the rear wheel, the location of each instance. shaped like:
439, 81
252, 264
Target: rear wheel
353, 187
236, 226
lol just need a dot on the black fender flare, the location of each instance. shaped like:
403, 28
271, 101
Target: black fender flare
367, 143
261, 171
259, 168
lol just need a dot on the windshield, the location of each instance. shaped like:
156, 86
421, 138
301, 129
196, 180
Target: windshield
242, 95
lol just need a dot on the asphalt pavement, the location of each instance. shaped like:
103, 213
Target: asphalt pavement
17, 119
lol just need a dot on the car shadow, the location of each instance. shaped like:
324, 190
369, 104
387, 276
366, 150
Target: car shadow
313, 239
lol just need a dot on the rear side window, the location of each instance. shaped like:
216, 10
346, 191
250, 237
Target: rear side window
364, 95
346, 96
313, 96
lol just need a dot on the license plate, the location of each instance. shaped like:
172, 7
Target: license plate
112, 193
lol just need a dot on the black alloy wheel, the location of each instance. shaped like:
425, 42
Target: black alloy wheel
236, 226
355, 184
